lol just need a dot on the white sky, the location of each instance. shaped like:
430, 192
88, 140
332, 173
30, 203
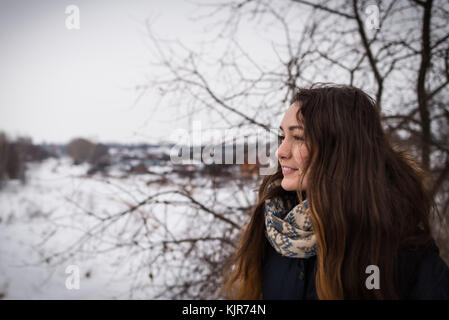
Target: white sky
57, 84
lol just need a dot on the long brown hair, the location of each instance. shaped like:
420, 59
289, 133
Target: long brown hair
368, 200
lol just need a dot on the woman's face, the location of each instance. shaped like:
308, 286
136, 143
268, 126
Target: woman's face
292, 152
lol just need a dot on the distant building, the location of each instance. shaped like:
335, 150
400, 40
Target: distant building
249, 170
139, 169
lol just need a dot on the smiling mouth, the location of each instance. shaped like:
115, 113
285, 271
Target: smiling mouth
288, 170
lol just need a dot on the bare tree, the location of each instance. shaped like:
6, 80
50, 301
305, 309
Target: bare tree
396, 50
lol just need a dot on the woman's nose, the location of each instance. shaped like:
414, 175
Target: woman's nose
283, 152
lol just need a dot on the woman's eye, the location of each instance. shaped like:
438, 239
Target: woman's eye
297, 138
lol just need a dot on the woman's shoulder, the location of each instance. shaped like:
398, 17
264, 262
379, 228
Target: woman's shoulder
423, 273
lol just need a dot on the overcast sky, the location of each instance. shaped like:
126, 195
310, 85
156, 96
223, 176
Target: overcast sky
57, 84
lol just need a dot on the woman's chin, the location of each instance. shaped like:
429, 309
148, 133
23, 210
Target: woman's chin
291, 183
288, 184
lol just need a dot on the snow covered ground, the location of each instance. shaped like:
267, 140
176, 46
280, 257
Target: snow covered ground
43, 227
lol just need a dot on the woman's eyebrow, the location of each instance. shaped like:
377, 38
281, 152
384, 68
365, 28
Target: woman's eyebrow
292, 128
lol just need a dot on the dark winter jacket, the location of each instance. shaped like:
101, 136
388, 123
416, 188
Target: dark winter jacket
424, 275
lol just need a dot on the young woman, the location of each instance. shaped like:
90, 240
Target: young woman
346, 216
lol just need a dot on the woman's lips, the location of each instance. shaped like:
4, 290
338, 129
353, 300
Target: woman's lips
288, 170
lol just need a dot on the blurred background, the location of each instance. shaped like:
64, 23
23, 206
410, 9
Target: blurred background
93, 95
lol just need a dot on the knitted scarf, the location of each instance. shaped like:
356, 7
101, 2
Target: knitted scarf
288, 226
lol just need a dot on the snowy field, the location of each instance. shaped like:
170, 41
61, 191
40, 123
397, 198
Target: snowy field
62, 218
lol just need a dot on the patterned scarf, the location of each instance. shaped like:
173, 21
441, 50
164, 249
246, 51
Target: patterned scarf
288, 226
